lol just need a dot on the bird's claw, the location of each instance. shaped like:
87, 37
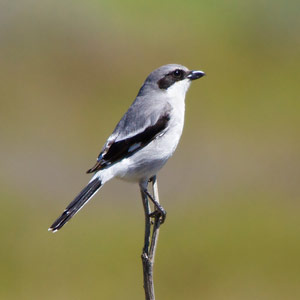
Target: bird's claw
159, 214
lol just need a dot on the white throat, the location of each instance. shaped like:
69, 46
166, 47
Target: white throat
176, 97
179, 89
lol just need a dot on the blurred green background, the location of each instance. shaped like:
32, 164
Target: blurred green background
70, 69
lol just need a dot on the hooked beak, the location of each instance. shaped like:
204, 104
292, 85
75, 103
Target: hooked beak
195, 75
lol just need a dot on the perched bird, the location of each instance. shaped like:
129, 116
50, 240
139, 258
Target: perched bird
144, 139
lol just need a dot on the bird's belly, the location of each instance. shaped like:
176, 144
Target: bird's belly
146, 162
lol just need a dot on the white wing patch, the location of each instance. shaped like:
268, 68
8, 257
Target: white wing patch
134, 147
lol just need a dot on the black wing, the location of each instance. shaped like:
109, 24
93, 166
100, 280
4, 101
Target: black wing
117, 150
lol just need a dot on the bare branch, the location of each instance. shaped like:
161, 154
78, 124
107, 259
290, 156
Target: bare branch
151, 237
157, 222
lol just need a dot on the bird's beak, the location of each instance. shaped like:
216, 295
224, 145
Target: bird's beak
195, 75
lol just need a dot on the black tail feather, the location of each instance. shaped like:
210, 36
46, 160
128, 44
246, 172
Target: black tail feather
83, 197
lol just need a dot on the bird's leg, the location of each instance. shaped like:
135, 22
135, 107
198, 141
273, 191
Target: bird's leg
159, 210
147, 219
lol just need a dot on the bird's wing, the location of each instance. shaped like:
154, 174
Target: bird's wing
132, 134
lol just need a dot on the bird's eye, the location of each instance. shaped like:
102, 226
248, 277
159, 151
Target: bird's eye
178, 73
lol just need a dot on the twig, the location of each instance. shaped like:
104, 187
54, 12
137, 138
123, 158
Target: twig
150, 241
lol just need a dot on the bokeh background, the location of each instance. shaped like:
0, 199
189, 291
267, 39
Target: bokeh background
70, 69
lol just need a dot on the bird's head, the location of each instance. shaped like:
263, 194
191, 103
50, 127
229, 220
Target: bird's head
173, 79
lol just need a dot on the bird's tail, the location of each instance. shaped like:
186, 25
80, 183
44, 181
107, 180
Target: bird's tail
83, 197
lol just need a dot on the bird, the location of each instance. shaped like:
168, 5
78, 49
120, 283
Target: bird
143, 140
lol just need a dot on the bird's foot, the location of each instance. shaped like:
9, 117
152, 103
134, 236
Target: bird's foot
160, 214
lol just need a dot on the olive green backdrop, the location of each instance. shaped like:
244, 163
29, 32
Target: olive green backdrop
70, 69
